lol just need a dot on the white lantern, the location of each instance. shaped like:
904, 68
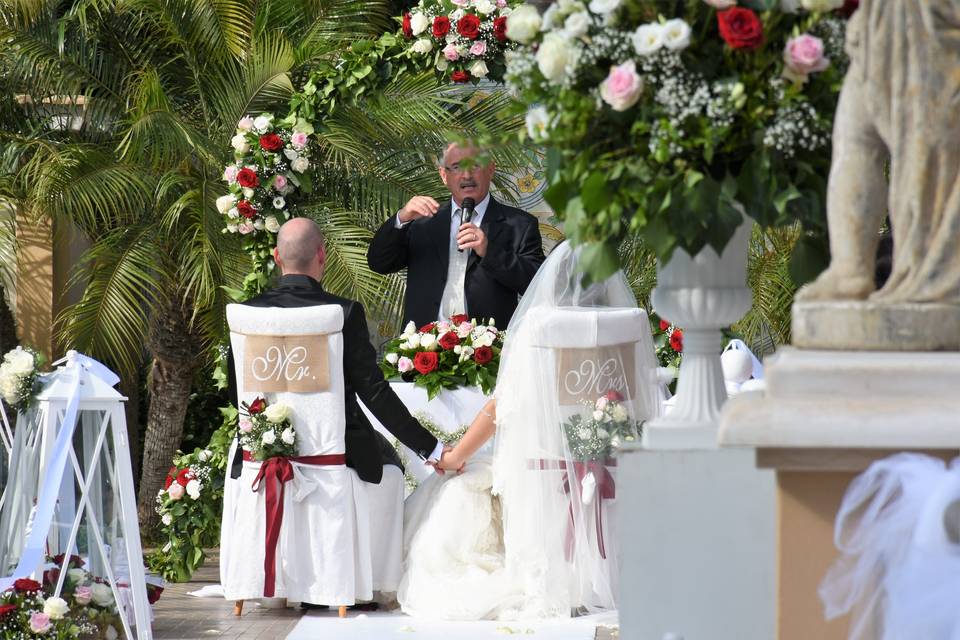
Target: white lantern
70, 490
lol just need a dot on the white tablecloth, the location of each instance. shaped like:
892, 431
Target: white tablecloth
450, 411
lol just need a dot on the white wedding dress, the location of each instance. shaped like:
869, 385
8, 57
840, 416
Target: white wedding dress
519, 535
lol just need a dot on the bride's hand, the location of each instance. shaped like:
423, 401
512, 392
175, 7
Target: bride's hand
450, 461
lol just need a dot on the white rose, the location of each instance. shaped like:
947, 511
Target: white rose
268, 437
676, 34
428, 340
232, 228
290, 154
56, 608
648, 39
77, 575
258, 225
262, 123
419, 23
422, 46
233, 213
598, 415
414, 341
485, 7
239, 143
102, 594
248, 192
457, 14
205, 455
523, 25
821, 5
553, 56
300, 165
410, 329
442, 64
486, 340
577, 24
479, 69
550, 17
538, 124
619, 413
111, 633
271, 224
276, 413
604, 7
193, 489
20, 362
167, 519
225, 203
289, 435
391, 358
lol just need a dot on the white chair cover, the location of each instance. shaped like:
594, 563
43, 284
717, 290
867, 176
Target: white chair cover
323, 555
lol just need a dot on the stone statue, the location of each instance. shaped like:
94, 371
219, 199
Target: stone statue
900, 102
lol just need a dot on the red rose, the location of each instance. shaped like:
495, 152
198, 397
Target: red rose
170, 476
271, 142
50, 576
407, 29
664, 325
257, 406
469, 26
184, 476
246, 210
425, 361
459, 319
76, 562
247, 178
26, 585
153, 593
676, 340
441, 26
613, 396
427, 327
449, 340
460, 76
7, 608
500, 28
740, 28
482, 355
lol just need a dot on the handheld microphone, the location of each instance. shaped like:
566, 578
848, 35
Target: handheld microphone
466, 212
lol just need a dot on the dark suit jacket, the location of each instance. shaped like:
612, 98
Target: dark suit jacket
492, 283
367, 450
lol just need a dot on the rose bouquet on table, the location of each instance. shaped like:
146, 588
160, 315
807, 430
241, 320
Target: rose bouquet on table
670, 119
20, 377
266, 431
445, 355
598, 431
464, 40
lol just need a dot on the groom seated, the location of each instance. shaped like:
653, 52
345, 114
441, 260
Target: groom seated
301, 256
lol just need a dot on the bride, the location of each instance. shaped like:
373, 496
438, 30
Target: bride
525, 530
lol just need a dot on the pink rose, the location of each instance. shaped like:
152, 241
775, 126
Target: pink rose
246, 227
404, 364
450, 52
245, 124
501, 3
478, 48
175, 491
245, 425
721, 4
280, 182
461, 3
230, 173
465, 329
298, 140
623, 86
802, 56
82, 595
39, 622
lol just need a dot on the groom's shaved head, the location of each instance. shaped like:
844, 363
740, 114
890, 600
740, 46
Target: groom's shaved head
298, 243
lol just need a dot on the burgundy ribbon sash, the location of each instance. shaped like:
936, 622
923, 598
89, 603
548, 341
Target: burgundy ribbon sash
277, 472
606, 490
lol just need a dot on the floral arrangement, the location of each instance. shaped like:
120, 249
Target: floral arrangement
670, 120
599, 431
266, 431
464, 40
187, 503
270, 169
20, 377
668, 343
84, 609
446, 355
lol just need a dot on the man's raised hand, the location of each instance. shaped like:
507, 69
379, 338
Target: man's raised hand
418, 207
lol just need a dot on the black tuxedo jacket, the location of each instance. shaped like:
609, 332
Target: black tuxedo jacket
367, 450
492, 283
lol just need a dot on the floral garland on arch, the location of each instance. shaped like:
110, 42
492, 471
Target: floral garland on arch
464, 40
730, 101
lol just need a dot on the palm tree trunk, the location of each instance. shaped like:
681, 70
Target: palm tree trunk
175, 360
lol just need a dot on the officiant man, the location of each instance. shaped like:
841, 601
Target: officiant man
475, 264
301, 256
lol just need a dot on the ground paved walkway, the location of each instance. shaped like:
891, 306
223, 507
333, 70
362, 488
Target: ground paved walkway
179, 616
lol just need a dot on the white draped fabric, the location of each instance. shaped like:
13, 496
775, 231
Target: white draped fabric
323, 554
528, 533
